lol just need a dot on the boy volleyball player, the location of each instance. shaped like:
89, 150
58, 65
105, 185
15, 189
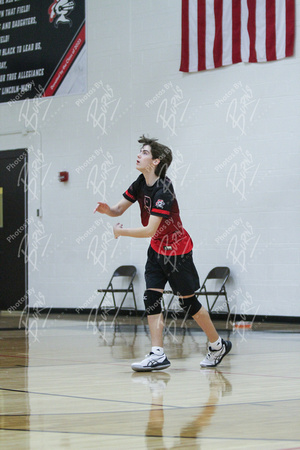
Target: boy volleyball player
169, 255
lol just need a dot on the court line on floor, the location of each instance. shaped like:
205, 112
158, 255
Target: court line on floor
74, 362
144, 403
290, 448
220, 370
18, 366
83, 398
91, 412
167, 408
259, 375
89, 433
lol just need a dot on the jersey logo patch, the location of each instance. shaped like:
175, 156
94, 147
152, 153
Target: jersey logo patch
160, 204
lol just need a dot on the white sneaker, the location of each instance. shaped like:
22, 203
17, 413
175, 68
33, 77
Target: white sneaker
214, 357
151, 362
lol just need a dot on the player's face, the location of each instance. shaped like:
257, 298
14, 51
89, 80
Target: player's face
145, 162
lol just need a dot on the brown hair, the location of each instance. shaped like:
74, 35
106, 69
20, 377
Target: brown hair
158, 151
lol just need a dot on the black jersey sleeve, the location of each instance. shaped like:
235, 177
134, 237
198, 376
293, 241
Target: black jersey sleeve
132, 192
163, 199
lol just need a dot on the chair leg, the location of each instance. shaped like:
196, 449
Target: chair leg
170, 302
227, 302
214, 302
130, 289
168, 307
100, 304
117, 313
114, 300
121, 304
207, 302
134, 300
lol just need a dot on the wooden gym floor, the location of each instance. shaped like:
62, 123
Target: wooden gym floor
65, 384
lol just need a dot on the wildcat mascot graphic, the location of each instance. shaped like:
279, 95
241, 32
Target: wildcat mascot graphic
59, 10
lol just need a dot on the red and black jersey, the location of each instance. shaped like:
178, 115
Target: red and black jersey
160, 200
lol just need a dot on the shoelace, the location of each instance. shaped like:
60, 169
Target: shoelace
211, 351
151, 353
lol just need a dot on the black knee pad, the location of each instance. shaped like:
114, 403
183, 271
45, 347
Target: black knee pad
152, 300
190, 305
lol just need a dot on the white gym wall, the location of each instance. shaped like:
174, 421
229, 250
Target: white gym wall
235, 136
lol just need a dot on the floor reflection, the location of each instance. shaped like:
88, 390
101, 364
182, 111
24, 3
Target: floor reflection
66, 383
157, 382
14, 397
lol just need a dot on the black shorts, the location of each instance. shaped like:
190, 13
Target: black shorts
178, 270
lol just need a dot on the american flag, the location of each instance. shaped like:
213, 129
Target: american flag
221, 32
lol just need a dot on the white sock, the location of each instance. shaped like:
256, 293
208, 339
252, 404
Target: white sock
216, 345
159, 351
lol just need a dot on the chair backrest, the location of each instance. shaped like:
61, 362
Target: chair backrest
125, 271
218, 273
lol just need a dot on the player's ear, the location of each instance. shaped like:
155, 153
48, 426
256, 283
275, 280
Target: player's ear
156, 161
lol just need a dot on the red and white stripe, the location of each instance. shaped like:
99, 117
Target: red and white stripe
221, 32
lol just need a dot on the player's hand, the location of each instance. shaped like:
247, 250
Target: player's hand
102, 208
117, 229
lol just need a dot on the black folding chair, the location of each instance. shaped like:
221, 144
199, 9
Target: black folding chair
122, 271
217, 273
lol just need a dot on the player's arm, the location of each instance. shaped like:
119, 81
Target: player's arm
141, 232
113, 211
